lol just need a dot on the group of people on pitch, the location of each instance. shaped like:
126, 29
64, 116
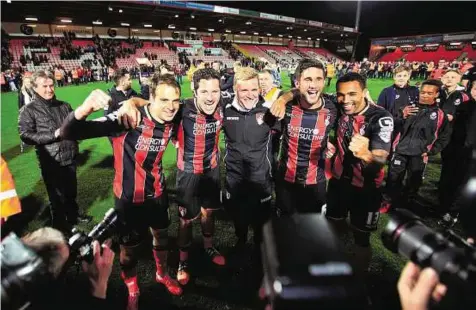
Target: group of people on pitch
274, 141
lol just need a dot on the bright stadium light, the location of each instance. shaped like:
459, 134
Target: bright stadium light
299, 37
268, 34
33, 19
31, 25
220, 20
135, 30
211, 29
228, 31
171, 27
120, 11
156, 31
125, 24
455, 43
248, 23
280, 35
309, 38
147, 25
305, 30
193, 28
290, 37
243, 32
256, 33
97, 22
89, 27
474, 42
192, 16
60, 26
66, 21
109, 8
9, 1
176, 15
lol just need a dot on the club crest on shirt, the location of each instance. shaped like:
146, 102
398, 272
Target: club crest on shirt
362, 129
259, 118
433, 116
457, 101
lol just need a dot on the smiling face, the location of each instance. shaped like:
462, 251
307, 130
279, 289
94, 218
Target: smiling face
165, 103
311, 84
265, 81
351, 97
247, 92
208, 95
45, 87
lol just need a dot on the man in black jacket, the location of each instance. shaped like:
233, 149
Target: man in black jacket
121, 91
424, 134
38, 125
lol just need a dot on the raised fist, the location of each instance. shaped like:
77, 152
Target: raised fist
96, 100
359, 146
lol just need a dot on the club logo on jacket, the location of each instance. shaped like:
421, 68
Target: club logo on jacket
259, 118
433, 115
362, 129
457, 101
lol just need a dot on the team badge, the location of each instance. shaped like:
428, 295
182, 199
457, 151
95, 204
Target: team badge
457, 101
315, 131
386, 129
362, 129
259, 118
433, 116
397, 96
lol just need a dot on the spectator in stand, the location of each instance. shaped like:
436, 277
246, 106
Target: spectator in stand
75, 76
331, 71
438, 72
469, 77
59, 78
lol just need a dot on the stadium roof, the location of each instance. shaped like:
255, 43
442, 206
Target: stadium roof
140, 13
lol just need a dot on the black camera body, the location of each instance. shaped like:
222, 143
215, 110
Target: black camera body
80, 244
304, 266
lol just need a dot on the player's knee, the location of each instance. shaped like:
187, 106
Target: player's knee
160, 238
362, 238
128, 256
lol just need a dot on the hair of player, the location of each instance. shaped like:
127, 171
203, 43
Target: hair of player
46, 242
432, 82
401, 68
163, 79
244, 74
204, 74
453, 70
118, 75
41, 74
353, 77
307, 63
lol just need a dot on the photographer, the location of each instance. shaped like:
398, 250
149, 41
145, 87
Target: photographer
50, 245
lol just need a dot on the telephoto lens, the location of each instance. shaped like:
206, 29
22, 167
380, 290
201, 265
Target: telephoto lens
447, 253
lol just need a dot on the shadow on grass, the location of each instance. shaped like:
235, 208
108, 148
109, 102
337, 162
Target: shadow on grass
15, 151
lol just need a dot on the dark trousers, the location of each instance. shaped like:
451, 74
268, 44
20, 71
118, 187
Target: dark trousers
61, 184
59, 83
400, 165
454, 168
292, 197
248, 207
329, 79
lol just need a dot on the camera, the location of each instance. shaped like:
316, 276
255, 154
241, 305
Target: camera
446, 252
80, 244
24, 272
305, 267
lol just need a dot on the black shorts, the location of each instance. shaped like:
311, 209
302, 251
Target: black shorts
292, 197
138, 217
362, 203
195, 191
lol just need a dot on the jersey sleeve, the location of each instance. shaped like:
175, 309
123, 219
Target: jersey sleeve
73, 129
381, 134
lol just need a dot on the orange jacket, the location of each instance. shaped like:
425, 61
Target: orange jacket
10, 203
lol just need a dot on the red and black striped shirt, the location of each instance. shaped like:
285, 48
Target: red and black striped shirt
305, 135
376, 124
198, 135
137, 153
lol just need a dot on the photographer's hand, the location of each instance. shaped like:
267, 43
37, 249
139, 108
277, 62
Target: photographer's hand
416, 287
100, 269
